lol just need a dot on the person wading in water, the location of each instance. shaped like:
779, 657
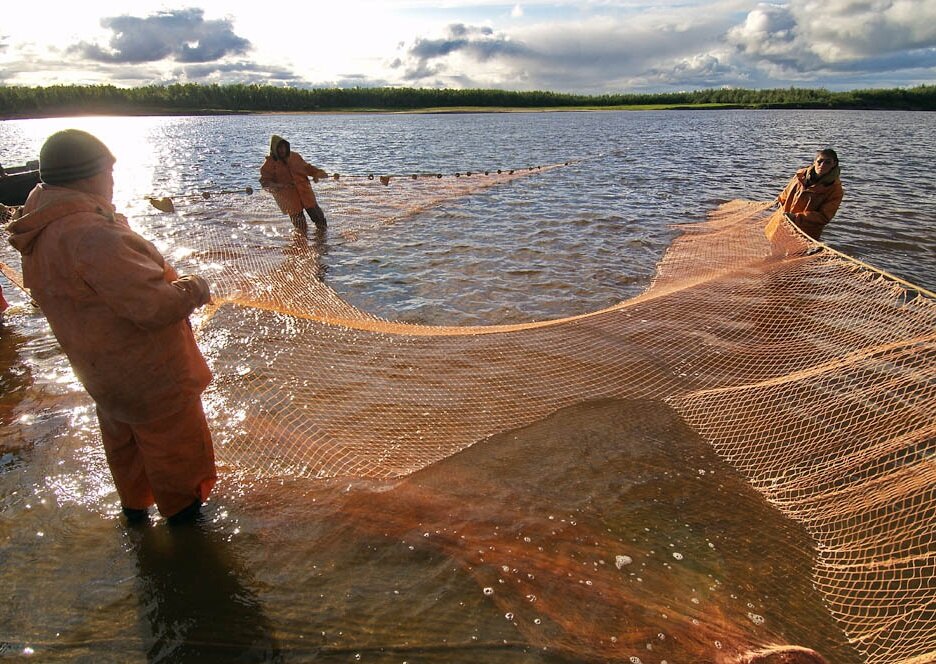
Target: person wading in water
286, 175
120, 313
813, 195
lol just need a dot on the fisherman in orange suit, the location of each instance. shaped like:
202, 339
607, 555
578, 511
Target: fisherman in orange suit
813, 195
286, 175
120, 314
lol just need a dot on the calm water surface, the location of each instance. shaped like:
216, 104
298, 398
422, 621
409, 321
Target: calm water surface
288, 570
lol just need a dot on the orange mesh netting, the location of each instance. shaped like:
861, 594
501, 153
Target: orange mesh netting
812, 375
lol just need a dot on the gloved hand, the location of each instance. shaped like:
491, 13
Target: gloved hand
196, 286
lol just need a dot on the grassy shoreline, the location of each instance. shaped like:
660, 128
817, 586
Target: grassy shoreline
167, 111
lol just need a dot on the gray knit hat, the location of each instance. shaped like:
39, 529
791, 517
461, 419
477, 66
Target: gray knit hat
71, 155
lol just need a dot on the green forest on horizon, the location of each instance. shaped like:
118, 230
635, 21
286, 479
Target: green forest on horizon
190, 98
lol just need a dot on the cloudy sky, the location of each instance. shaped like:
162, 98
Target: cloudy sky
588, 46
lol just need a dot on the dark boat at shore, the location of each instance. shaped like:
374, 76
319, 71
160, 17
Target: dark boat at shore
17, 181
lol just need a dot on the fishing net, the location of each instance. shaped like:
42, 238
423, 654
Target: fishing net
812, 375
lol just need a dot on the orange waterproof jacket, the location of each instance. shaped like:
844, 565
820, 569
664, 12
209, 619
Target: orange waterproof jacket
113, 303
813, 206
288, 179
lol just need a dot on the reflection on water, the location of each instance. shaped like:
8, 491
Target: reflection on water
15, 375
306, 253
195, 598
608, 538
637, 539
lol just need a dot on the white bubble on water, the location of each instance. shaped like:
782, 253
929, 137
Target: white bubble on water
488, 591
677, 555
621, 561
756, 619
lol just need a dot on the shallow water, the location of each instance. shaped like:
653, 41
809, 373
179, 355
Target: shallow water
289, 569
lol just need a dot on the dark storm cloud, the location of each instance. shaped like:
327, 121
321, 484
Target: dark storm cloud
480, 43
771, 44
238, 72
421, 71
905, 60
590, 56
182, 35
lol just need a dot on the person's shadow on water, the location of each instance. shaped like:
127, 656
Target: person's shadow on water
194, 596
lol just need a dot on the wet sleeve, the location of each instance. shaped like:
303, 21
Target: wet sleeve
130, 276
314, 171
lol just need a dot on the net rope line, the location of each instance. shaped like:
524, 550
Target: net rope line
811, 374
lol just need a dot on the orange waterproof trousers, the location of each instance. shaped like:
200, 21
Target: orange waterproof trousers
169, 461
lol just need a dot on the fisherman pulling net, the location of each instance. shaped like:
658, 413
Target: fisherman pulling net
810, 374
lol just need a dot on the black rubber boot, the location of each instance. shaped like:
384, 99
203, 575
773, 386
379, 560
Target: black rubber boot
186, 515
318, 216
135, 516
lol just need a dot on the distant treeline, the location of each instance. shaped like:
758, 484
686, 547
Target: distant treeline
21, 101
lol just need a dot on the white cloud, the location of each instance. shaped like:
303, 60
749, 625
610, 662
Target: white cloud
592, 46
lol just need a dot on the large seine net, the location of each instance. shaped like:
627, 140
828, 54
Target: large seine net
809, 373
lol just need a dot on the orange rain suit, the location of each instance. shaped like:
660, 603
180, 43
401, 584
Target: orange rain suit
813, 206
289, 180
120, 314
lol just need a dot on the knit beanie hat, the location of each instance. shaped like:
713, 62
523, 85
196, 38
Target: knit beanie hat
71, 155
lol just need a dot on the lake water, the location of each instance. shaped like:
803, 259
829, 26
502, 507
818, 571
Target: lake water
291, 570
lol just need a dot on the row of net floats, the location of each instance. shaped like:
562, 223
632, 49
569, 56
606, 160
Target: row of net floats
385, 179
165, 204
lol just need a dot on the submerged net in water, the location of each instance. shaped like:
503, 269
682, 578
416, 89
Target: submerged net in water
811, 375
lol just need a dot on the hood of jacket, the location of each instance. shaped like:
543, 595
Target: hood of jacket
810, 177
48, 204
274, 143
